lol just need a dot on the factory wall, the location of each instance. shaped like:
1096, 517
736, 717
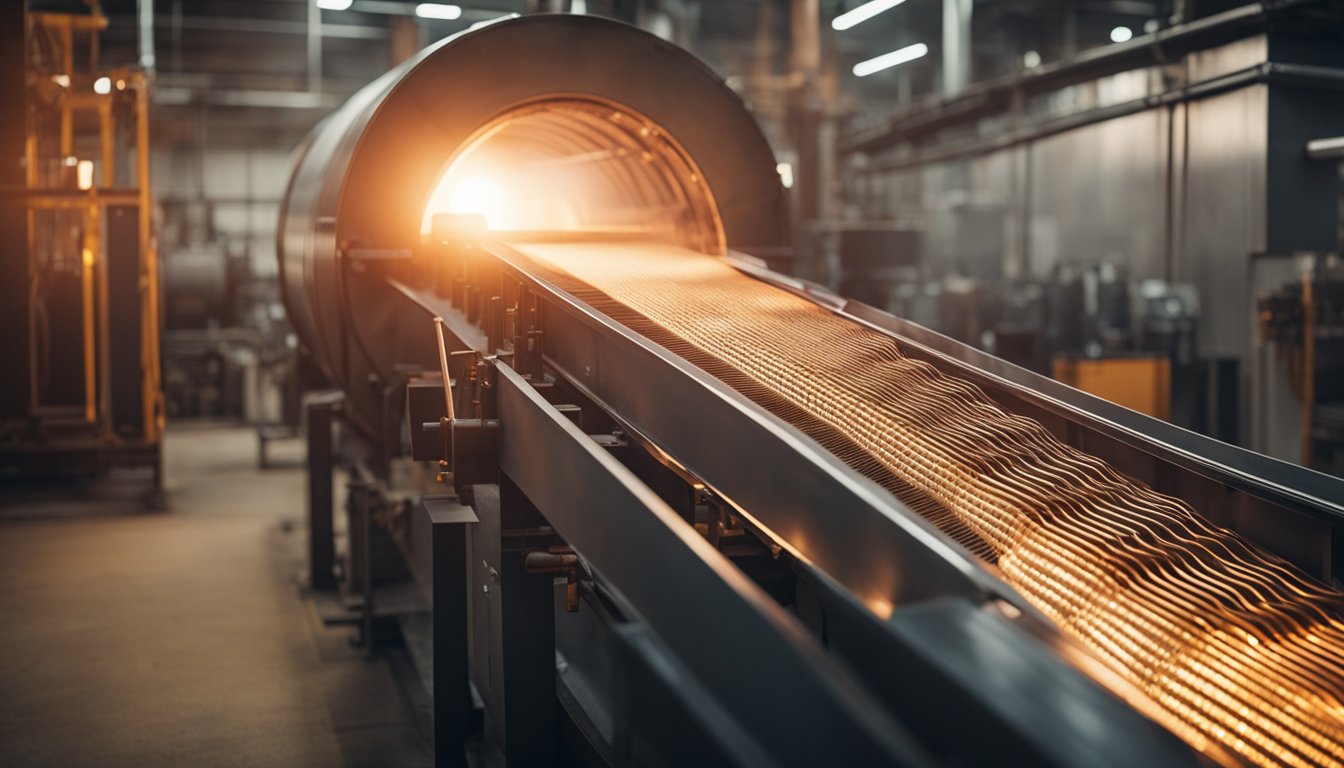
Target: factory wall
1177, 193
1099, 195
225, 197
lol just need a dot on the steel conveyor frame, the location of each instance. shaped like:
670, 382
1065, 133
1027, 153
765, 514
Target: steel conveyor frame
943, 610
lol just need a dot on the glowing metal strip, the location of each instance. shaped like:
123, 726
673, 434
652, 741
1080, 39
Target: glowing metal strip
1237, 647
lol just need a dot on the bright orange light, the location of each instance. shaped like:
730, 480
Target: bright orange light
477, 194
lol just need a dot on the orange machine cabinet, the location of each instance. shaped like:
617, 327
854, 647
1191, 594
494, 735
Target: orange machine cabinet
1140, 383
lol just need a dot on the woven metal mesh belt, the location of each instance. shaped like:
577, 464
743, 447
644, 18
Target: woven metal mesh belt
1232, 645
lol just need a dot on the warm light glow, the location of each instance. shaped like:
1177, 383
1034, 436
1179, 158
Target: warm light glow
785, 171
102, 86
495, 20
84, 174
438, 11
476, 194
1121, 34
334, 5
889, 60
88, 257
61, 80
863, 13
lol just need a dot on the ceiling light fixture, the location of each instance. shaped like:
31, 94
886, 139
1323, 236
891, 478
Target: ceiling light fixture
438, 11
863, 13
889, 60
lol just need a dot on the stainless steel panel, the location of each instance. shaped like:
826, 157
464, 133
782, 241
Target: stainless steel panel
1098, 194
1226, 59
1224, 213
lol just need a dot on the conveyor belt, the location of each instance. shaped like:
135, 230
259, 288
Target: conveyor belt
1233, 645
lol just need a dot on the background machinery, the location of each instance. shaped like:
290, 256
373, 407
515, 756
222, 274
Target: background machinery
80, 289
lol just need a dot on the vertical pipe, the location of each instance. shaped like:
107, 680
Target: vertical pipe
68, 69
149, 268
93, 234
804, 109
366, 585
956, 45
1070, 29
452, 683
177, 35
145, 17
314, 48
1308, 364
17, 140
107, 141
86, 281
321, 532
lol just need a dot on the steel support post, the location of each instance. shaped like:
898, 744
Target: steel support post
531, 734
15, 282
321, 408
452, 696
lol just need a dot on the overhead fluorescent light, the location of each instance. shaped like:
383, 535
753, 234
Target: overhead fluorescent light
495, 20
889, 60
335, 5
438, 11
863, 13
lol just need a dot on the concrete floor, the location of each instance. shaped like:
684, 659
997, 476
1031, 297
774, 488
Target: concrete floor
182, 638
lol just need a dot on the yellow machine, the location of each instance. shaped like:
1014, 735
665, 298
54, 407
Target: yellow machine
81, 276
1141, 384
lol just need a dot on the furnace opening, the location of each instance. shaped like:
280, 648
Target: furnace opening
578, 167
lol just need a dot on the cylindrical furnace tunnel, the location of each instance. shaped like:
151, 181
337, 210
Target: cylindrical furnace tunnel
549, 126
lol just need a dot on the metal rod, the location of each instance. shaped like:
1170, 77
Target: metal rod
1308, 364
145, 34
151, 387
89, 253
1326, 149
366, 585
443, 369
314, 35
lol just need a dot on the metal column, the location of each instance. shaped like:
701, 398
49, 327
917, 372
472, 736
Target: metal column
321, 409
513, 626
956, 45
449, 521
14, 279
531, 736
